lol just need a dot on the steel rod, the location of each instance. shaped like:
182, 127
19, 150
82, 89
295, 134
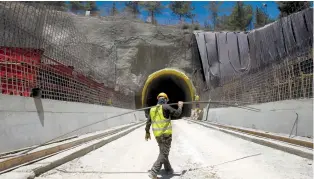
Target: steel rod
141, 109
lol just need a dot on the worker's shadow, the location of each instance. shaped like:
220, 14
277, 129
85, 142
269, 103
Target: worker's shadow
164, 175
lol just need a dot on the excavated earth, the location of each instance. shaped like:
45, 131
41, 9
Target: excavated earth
137, 48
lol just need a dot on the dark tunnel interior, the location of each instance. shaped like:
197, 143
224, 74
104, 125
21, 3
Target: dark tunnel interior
176, 89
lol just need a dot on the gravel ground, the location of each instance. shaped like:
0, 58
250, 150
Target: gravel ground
197, 153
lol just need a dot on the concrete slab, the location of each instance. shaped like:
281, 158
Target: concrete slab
65, 156
283, 146
223, 156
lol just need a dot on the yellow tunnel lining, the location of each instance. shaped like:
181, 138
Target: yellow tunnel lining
167, 71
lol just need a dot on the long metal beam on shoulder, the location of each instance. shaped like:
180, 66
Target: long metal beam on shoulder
145, 108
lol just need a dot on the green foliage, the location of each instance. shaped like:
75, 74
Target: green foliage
289, 7
92, 7
153, 8
271, 20
222, 23
114, 11
207, 26
192, 17
76, 6
197, 27
261, 18
240, 17
182, 9
185, 26
132, 7
214, 8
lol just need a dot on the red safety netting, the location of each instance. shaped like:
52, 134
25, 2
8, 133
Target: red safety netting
25, 69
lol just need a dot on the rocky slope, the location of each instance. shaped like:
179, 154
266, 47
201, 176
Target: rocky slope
136, 48
116, 51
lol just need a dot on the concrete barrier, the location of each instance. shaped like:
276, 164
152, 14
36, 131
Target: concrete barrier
285, 117
25, 122
279, 145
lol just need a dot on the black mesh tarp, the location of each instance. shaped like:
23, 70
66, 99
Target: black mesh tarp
228, 54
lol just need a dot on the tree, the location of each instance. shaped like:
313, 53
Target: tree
114, 11
241, 17
132, 7
289, 7
182, 9
214, 8
222, 23
76, 6
92, 7
192, 17
153, 8
261, 18
196, 26
207, 25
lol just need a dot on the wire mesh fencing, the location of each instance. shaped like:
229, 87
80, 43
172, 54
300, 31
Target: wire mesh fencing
269, 64
287, 78
40, 48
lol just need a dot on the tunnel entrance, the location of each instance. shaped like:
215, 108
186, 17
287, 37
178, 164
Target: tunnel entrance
172, 82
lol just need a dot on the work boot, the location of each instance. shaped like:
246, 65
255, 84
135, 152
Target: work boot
152, 175
169, 172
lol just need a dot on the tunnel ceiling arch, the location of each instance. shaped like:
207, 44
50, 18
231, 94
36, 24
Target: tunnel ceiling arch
167, 72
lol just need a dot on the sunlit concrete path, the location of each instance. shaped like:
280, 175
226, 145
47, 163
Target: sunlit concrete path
219, 155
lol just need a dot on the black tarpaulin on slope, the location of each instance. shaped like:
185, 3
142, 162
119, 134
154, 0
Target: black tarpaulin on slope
233, 52
258, 48
211, 46
267, 47
277, 35
226, 70
288, 34
244, 50
300, 28
308, 14
252, 51
200, 39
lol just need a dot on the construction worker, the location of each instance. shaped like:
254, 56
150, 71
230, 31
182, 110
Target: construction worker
197, 98
196, 110
160, 119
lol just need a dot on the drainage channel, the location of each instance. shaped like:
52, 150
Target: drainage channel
293, 146
15, 161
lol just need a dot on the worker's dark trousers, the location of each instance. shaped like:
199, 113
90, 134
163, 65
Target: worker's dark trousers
164, 143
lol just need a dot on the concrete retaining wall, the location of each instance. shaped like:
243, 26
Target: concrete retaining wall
276, 117
26, 122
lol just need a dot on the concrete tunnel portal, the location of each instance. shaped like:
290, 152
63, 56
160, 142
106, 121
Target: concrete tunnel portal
174, 83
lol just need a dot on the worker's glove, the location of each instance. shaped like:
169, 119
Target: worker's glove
147, 136
180, 104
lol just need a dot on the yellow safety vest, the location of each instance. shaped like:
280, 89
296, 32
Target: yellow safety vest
160, 124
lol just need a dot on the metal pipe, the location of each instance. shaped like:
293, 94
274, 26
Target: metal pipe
207, 110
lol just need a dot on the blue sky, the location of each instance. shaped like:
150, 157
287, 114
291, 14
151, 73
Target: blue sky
202, 14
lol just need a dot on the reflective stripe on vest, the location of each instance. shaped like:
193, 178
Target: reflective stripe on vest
160, 124
166, 128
